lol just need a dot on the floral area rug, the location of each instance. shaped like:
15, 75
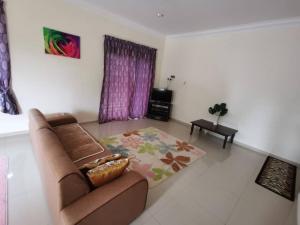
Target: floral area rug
153, 153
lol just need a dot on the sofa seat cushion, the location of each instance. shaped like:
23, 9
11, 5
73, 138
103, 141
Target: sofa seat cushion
58, 119
78, 143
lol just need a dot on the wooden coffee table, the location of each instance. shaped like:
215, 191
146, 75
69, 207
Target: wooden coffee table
219, 129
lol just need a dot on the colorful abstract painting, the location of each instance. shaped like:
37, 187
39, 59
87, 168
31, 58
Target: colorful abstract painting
63, 44
153, 153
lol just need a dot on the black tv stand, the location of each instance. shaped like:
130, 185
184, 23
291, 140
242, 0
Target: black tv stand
159, 110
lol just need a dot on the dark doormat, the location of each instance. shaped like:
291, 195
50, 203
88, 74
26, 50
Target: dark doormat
278, 176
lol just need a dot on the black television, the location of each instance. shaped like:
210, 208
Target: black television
161, 95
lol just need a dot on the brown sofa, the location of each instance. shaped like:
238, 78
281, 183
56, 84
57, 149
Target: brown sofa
61, 145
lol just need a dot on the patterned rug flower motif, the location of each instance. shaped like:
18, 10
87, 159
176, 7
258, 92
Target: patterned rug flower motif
154, 153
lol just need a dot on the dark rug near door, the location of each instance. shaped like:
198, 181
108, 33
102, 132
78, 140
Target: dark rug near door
278, 176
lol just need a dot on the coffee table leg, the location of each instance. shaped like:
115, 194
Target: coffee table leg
225, 141
232, 138
192, 129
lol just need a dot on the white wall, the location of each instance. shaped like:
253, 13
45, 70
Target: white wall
53, 83
257, 73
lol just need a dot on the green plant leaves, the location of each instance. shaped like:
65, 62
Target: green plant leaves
218, 108
211, 110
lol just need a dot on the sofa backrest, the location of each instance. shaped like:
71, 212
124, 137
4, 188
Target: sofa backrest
63, 182
37, 120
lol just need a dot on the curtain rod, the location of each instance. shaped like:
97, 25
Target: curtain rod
107, 35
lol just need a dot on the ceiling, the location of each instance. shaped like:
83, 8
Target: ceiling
184, 16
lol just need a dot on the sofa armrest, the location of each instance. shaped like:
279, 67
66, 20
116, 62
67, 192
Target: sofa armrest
116, 203
58, 119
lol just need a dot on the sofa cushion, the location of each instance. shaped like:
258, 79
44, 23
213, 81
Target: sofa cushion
58, 119
100, 161
78, 143
107, 172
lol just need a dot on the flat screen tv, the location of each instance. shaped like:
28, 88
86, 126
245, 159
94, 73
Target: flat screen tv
161, 95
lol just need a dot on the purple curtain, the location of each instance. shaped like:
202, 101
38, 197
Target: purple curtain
7, 100
129, 71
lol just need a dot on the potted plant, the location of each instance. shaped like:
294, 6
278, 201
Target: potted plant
218, 110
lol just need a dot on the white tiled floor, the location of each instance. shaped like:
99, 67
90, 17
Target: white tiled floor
218, 189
